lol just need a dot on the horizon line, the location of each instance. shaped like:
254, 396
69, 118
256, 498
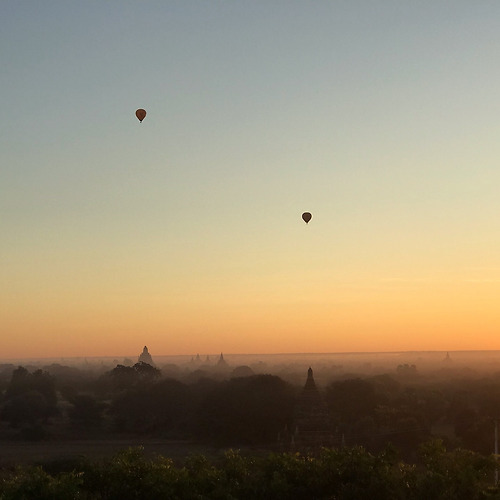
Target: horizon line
2, 360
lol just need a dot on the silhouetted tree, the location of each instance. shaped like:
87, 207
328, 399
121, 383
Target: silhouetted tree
160, 407
126, 377
30, 407
246, 410
146, 372
86, 411
351, 399
29, 398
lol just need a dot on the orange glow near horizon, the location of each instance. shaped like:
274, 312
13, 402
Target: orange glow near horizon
362, 317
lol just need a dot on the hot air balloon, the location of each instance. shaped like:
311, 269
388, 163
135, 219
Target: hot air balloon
306, 216
141, 114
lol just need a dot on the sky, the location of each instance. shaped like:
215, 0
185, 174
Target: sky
184, 232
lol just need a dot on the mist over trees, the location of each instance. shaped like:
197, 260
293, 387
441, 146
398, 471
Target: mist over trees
237, 406
403, 409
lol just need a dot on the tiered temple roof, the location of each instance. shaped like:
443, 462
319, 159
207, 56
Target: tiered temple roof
312, 426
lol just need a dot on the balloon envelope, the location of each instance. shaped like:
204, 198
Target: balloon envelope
307, 217
141, 114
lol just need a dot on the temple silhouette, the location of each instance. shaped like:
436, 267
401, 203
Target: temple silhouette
222, 363
145, 357
312, 425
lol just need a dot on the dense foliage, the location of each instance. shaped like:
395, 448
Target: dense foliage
403, 408
340, 474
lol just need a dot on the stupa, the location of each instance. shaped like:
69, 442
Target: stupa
145, 357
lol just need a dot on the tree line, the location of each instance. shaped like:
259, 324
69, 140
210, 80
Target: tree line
340, 474
400, 408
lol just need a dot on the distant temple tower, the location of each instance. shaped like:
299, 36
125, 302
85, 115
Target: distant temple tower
222, 362
312, 426
145, 357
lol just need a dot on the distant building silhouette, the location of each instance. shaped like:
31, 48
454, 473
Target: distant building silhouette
447, 359
312, 424
145, 357
222, 362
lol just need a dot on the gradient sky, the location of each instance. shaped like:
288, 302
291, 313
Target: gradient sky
184, 232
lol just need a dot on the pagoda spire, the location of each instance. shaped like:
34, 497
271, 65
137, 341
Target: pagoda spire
312, 422
222, 361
